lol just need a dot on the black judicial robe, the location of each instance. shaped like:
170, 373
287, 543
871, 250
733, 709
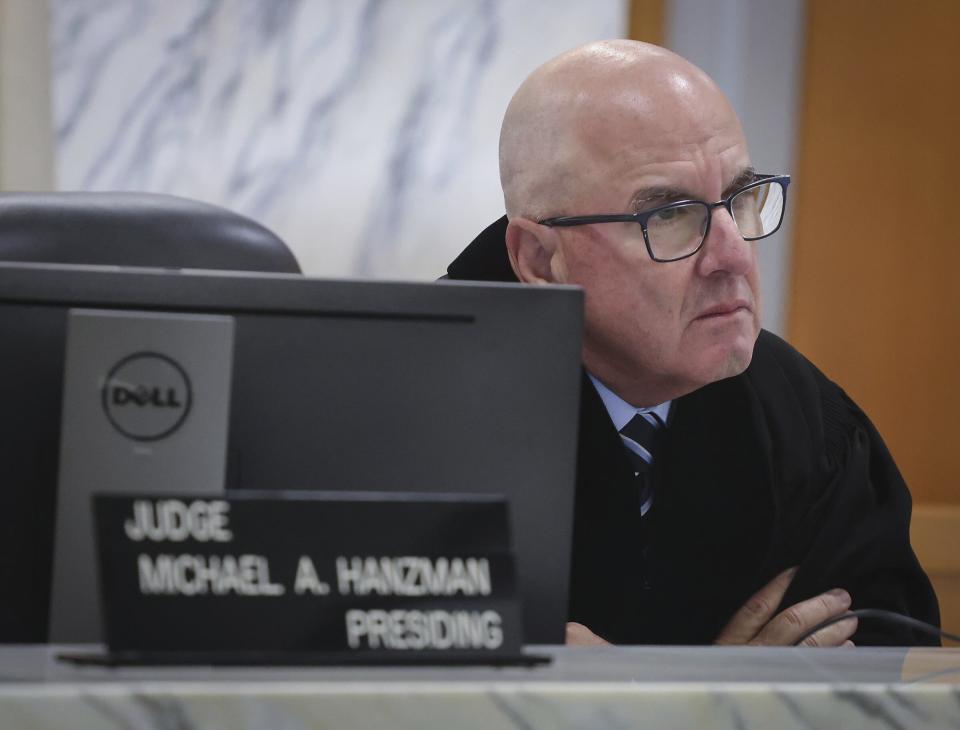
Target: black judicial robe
772, 468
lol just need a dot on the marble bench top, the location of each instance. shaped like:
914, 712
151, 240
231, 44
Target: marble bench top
623, 687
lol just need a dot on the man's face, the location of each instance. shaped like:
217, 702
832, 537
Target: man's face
658, 330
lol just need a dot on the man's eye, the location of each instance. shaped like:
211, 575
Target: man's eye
669, 214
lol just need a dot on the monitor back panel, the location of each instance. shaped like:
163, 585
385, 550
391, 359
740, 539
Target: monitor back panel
338, 385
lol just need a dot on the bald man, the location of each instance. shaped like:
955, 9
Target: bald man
727, 491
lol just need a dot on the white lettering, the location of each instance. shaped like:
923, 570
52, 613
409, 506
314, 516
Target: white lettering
356, 627
413, 576
402, 629
193, 575
260, 575
348, 576
155, 577
308, 580
227, 577
176, 521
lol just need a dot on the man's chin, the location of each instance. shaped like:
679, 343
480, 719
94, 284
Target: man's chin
737, 363
729, 362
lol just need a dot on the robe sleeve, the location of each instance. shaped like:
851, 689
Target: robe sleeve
852, 527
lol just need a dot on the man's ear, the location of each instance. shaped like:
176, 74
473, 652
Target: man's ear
531, 248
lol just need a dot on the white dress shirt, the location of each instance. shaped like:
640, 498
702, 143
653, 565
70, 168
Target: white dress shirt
621, 413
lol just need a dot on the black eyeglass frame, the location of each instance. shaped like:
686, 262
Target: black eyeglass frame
642, 218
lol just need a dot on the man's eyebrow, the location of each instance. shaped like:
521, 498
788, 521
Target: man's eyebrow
657, 194
668, 194
746, 176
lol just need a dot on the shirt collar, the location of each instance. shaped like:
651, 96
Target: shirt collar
620, 411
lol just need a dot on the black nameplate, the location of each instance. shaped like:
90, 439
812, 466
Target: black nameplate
345, 576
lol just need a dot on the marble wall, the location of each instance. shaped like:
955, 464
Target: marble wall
363, 132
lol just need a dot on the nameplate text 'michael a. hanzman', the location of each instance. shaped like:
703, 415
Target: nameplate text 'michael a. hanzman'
311, 575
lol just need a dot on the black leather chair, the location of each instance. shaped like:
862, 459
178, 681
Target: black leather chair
120, 229
135, 229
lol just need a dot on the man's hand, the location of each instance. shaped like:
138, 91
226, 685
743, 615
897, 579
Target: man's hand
753, 624
580, 635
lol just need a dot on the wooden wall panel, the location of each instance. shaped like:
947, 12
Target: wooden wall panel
876, 270
646, 21
935, 534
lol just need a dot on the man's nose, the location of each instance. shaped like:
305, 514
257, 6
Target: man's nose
724, 248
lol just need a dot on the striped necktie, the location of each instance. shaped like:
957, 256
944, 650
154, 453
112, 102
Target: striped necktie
640, 436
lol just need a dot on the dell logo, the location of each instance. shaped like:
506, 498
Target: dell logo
143, 396
146, 396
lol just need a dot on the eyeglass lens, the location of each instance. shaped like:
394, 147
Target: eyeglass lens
678, 231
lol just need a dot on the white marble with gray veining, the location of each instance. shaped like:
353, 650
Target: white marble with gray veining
653, 687
363, 132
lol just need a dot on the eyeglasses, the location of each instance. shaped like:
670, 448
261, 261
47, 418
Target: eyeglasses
678, 230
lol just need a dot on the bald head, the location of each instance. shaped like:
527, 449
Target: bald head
573, 115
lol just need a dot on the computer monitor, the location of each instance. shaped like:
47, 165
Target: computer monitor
335, 385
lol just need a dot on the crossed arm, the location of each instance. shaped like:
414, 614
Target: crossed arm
755, 623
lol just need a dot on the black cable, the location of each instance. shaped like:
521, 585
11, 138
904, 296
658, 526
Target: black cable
879, 613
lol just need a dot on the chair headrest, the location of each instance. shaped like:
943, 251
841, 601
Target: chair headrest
135, 229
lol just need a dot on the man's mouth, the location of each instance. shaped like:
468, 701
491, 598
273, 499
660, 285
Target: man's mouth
729, 309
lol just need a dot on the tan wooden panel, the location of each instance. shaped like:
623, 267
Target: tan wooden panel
947, 587
935, 534
646, 21
876, 270
930, 667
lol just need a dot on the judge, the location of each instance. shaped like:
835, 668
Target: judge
727, 491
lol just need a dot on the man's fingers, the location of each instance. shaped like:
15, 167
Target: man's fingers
789, 625
580, 635
750, 619
837, 634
